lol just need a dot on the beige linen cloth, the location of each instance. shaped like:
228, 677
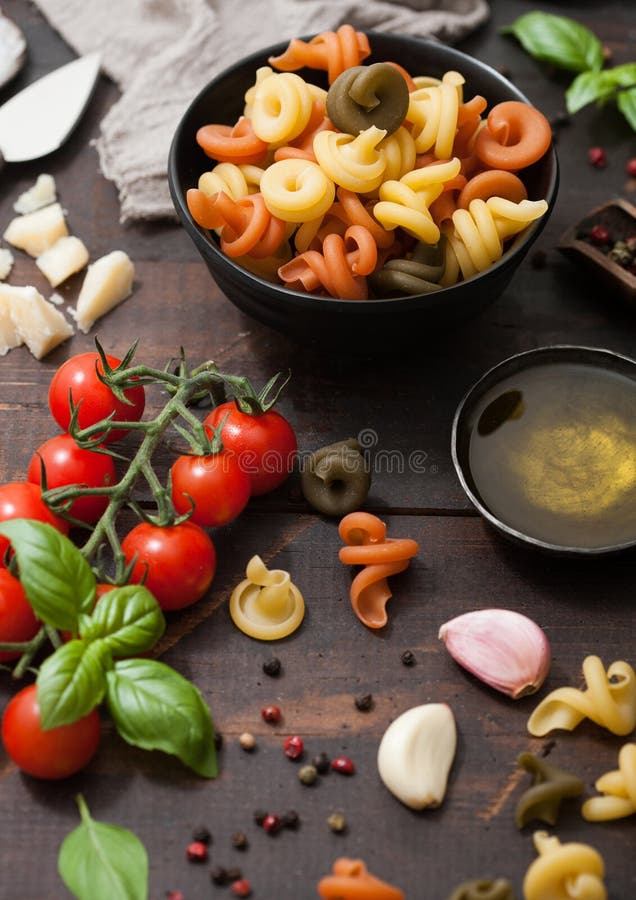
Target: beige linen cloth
162, 52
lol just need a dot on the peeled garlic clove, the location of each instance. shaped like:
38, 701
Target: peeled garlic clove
503, 648
416, 753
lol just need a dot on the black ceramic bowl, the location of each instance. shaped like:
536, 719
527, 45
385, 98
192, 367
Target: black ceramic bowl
544, 445
333, 323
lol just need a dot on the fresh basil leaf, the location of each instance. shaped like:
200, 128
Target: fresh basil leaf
103, 862
128, 619
156, 708
626, 102
624, 75
71, 682
56, 578
587, 88
558, 40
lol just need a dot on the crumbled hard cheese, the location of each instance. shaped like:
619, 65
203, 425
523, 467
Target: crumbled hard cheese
40, 194
9, 337
108, 281
38, 323
35, 232
67, 256
6, 262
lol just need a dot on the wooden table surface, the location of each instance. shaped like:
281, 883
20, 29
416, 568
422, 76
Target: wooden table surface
405, 403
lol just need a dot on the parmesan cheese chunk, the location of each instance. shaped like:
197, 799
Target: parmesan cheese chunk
107, 282
9, 337
37, 231
37, 323
6, 262
67, 256
41, 194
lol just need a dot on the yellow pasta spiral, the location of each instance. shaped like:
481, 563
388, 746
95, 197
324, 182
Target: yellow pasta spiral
618, 788
266, 605
610, 701
297, 190
398, 150
433, 110
564, 871
236, 180
355, 163
281, 107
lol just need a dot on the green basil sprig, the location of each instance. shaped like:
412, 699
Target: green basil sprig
100, 862
152, 705
569, 45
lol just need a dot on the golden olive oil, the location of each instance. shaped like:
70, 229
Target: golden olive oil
552, 454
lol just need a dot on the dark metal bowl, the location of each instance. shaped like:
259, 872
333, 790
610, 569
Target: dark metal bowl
467, 412
380, 324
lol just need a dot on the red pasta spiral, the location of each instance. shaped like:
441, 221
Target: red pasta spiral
332, 51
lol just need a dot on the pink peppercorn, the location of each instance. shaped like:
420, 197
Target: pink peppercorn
293, 747
631, 168
175, 895
271, 714
197, 851
241, 888
343, 765
599, 235
272, 823
597, 157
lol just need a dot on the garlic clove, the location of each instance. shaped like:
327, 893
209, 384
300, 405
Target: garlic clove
503, 648
416, 753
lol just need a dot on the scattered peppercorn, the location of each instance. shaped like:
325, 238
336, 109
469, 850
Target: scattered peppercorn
343, 765
271, 714
218, 741
247, 741
364, 702
308, 774
174, 895
293, 747
234, 874
631, 167
272, 667
202, 835
259, 816
241, 888
218, 875
272, 823
321, 762
597, 157
197, 852
599, 235
408, 658
239, 840
290, 819
337, 822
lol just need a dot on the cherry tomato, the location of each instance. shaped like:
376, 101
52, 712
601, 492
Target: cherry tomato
23, 500
217, 484
65, 463
180, 561
17, 619
47, 754
265, 444
78, 375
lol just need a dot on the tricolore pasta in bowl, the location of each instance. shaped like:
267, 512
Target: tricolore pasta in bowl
388, 182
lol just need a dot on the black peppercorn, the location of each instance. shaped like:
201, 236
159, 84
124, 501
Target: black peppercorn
290, 819
218, 740
364, 702
259, 816
233, 874
272, 667
202, 835
408, 658
219, 875
321, 763
239, 840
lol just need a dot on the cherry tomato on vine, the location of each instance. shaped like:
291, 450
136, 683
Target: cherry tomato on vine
180, 561
78, 375
65, 463
217, 484
265, 444
17, 619
23, 500
51, 754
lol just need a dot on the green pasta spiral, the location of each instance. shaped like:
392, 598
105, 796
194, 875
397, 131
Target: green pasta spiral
336, 479
551, 786
363, 96
484, 889
417, 274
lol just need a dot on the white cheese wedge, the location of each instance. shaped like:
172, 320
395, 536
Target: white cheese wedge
108, 281
6, 262
41, 194
67, 256
9, 337
37, 323
37, 231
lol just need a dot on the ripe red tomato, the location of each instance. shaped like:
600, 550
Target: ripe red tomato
78, 375
65, 463
265, 444
180, 561
47, 754
23, 500
17, 619
217, 484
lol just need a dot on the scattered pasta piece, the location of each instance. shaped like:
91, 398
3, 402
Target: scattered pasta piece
618, 788
368, 546
484, 889
609, 701
564, 871
551, 785
336, 479
266, 605
351, 881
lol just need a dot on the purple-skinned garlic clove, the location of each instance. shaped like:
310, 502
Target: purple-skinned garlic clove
503, 648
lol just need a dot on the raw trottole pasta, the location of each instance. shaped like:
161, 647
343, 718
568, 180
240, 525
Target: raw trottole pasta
564, 871
404, 156
551, 785
618, 788
350, 880
266, 605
